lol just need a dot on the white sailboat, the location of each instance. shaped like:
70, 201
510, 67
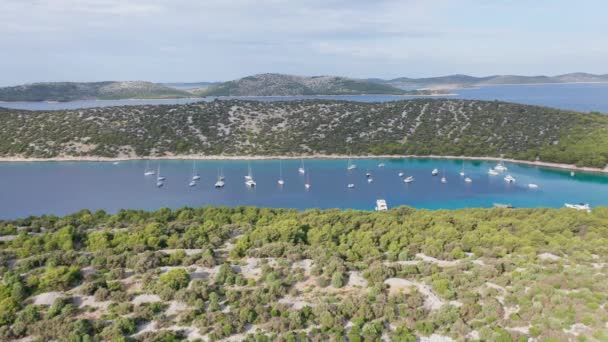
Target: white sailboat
462, 169
192, 183
500, 167
195, 175
248, 176
408, 179
147, 171
492, 172
307, 184
351, 185
368, 174
159, 178
435, 172
281, 181
350, 166
468, 180
370, 180
302, 170
401, 173
220, 180
249, 179
533, 186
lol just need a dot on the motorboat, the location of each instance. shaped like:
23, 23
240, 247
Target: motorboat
381, 205
351, 185
492, 172
533, 186
435, 172
408, 179
468, 180
510, 179
580, 206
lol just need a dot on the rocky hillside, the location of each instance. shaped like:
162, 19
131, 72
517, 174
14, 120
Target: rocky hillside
289, 85
422, 127
71, 91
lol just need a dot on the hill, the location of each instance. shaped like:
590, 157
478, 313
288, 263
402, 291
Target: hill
289, 85
71, 91
460, 81
232, 127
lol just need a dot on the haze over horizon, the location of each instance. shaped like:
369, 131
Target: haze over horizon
191, 41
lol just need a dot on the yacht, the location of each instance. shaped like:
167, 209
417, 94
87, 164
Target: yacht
368, 174
468, 180
462, 169
302, 170
147, 171
159, 183
435, 172
351, 185
492, 172
580, 206
444, 180
381, 165
401, 173
195, 175
500, 167
159, 178
409, 179
369, 180
510, 179
192, 183
381, 205
533, 186
281, 181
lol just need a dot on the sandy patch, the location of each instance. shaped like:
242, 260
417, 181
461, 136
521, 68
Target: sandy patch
548, 257
145, 298
187, 251
176, 307
295, 303
577, 329
431, 302
8, 238
355, 279
82, 301
438, 262
435, 338
47, 298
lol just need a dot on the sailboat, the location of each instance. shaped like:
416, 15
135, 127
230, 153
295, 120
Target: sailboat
195, 175
302, 170
462, 170
408, 179
401, 173
249, 179
500, 167
220, 180
159, 178
443, 178
192, 183
492, 172
281, 181
435, 172
147, 171
307, 184
248, 176
350, 166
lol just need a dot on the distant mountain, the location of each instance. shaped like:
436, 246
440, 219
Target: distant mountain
289, 85
460, 81
71, 91
189, 85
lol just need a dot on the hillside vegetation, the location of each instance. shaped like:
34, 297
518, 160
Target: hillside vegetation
71, 91
289, 85
280, 275
420, 127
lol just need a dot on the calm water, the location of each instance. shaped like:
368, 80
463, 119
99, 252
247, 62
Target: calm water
65, 187
579, 97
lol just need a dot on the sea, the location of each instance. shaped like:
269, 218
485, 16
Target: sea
59, 188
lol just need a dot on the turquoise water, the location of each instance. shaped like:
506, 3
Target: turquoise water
36, 188
579, 97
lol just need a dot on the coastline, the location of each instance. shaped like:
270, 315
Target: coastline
561, 166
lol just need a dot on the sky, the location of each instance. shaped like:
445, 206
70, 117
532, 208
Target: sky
218, 40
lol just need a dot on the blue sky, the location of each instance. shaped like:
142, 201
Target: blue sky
196, 40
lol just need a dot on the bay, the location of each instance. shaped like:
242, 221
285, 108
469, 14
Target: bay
36, 188
584, 97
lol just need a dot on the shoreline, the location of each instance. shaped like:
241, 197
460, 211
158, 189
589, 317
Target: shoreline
550, 165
